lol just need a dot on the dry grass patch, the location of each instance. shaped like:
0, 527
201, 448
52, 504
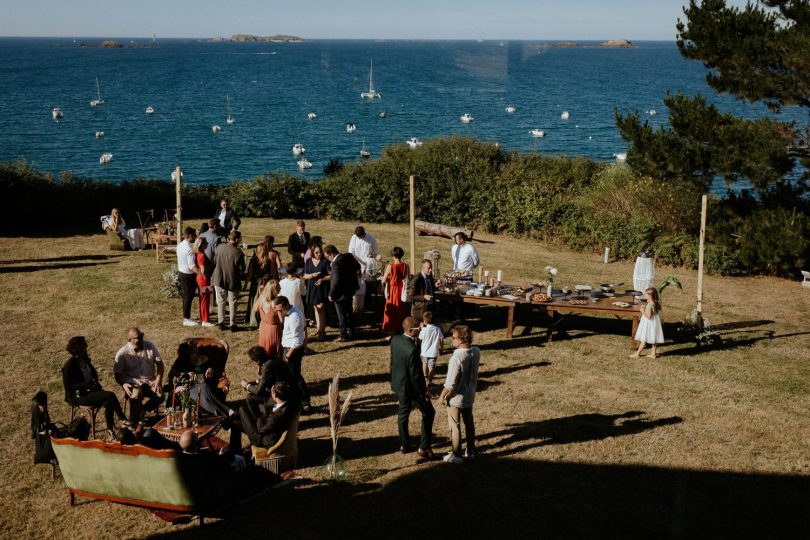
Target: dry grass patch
573, 434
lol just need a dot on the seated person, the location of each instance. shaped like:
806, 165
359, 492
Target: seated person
82, 387
154, 440
138, 368
271, 371
124, 435
266, 429
202, 373
133, 238
190, 446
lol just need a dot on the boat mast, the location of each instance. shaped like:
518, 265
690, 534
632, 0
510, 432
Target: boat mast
371, 78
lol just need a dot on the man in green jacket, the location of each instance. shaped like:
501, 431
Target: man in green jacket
408, 384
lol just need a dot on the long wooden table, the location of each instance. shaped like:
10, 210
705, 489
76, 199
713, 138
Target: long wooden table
560, 304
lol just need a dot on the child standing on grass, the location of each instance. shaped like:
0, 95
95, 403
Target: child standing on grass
430, 336
649, 327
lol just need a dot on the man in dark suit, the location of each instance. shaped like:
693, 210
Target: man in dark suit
227, 279
408, 383
228, 220
298, 243
266, 429
344, 283
423, 290
271, 371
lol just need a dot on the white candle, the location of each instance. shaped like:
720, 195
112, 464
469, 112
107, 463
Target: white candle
500, 276
486, 273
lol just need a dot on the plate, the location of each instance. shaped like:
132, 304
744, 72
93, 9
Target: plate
621, 304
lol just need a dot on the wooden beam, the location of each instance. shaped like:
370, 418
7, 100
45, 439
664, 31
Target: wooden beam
179, 200
413, 224
436, 229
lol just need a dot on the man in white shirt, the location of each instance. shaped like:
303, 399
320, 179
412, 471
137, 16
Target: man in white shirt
364, 248
187, 267
465, 256
293, 341
138, 368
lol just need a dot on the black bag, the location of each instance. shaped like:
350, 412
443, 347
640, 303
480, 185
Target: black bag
41, 428
79, 429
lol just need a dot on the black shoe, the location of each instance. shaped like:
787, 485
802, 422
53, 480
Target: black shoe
234, 328
222, 326
405, 449
306, 409
424, 455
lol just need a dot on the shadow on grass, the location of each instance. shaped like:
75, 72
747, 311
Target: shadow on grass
522, 498
730, 344
569, 429
39, 267
63, 259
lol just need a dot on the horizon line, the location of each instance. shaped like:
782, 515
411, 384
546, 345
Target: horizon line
339, 38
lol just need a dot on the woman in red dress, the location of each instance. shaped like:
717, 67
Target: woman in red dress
396, 279
203, 277
270, 327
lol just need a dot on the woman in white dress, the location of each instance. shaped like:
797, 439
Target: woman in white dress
649, 327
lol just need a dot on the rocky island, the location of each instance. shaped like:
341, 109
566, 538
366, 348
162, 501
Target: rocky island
249, 38
617, 44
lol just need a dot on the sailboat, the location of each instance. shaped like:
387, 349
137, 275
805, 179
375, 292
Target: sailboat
98, 101
228, 119
371, 94
363, 152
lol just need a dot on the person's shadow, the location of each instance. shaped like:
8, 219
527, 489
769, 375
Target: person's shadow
518, 438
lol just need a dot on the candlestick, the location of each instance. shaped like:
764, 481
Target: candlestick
500, 276
198, 402
174, 393
486, 273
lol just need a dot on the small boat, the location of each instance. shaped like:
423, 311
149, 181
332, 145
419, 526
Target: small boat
57, 113
621, 157
99, 134
510, 109
298, 149
538, 133
98, 101
363, 152
312, 116
229, 119
381, 114
371, 94
350, 128
303, 163
150, 110
413, 142
105, 158
565, 115
466, 118
216, 128
651, 112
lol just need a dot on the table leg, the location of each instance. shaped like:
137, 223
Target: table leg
510, 320
633, 334
551, 313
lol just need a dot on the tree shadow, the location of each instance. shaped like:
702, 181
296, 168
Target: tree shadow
62, 259
39, 268
740, 325
569, 429
728, 344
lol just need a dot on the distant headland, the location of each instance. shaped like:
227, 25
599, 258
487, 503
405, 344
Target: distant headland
609, 44
113, 44
242, 38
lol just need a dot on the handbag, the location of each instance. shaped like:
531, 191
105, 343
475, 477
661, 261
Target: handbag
405, 296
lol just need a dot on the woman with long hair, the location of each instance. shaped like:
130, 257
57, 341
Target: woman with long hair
316, 274
263, 266
395, 279
270, 327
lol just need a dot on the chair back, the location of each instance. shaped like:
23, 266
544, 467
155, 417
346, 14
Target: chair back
146, 218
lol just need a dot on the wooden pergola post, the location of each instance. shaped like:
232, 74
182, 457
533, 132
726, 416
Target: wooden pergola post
413, 225
179, 201
703, 204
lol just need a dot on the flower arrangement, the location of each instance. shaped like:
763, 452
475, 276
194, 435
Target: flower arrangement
182, 390
550, 275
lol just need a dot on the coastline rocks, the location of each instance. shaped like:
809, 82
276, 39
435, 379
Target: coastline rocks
617, 44
279, 38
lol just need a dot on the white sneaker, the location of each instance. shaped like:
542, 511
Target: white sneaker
469, 456
207, 324
452, 458
189, 322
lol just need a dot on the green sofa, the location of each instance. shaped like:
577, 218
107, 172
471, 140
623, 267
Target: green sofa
141, 476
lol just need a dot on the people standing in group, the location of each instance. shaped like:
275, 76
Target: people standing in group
458, 394
270, 325
227, 280
395, 280
465, 256
82, 387
271, 371
212, 238
188, 270
423, 291
293, 340
344, 272
138, 368
263, 267
228, 220
649, 327
430, 338
203, 280
298, 243
292, 287
364, 248
408, 384
316, 275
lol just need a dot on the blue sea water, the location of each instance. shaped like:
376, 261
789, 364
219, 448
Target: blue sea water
426, 86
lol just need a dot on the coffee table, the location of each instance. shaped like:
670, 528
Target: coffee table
207, 427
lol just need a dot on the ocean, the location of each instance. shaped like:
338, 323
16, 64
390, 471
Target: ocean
425, 85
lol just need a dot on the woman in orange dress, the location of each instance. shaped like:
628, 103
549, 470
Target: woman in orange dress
396, 278
270, 327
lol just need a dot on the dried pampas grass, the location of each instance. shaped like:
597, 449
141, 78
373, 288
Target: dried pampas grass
337, 414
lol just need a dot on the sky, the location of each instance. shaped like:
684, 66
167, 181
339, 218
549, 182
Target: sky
347, 19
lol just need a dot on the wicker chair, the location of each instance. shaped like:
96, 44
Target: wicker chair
282, 456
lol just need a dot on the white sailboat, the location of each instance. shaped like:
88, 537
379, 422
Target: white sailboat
105, 158
466, 118
363, 152
216, 128
350, 127
98, 101
228, 119
304, 163
298, 149
371, 94
150, 110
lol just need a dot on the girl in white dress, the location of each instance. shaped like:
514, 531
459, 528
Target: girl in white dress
649, 327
